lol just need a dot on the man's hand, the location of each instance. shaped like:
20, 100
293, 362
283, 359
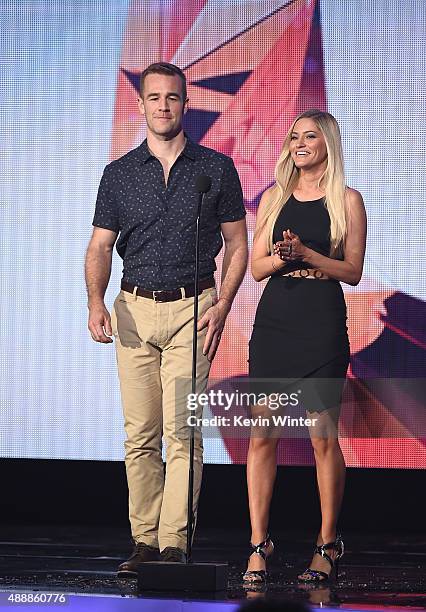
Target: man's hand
100, 323
214, 319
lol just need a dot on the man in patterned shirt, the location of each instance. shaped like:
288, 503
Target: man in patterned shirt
147, 199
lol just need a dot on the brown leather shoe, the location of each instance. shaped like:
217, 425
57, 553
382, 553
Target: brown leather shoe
172, 554
142, 553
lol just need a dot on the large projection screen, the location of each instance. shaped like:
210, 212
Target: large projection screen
69, 106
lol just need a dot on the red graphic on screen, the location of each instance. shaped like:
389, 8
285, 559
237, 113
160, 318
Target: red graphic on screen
251, 69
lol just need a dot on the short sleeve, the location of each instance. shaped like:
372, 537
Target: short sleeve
106, 211
230, 205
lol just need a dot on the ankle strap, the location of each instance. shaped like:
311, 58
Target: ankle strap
320, 550
337, 545
258, 548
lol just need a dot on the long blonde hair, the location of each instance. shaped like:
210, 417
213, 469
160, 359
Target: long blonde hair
332, 182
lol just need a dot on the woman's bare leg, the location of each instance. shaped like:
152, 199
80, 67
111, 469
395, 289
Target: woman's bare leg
331, 472
261, 472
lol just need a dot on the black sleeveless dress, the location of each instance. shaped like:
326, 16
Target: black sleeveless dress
300, 329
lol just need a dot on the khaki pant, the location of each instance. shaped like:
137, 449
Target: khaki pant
154, 357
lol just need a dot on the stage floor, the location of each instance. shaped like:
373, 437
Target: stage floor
377, 572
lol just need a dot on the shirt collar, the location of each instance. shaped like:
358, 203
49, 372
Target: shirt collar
189, 151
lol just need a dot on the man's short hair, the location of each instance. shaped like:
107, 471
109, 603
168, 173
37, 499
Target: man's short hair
163, 68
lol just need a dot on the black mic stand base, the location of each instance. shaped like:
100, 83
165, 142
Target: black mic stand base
161, 576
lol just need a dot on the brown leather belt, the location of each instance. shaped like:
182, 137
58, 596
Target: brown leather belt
169, 295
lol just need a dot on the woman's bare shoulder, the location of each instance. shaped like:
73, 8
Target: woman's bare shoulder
266, 198
353, 195
355, 205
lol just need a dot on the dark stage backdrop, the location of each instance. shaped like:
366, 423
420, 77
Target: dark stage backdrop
95, 493
68, 81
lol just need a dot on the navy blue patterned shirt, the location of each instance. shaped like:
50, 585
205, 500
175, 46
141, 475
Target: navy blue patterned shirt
156, 222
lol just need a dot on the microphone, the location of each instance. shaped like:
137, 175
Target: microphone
203, 183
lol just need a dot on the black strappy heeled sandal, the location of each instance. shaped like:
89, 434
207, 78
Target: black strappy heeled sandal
317, 575
258, 577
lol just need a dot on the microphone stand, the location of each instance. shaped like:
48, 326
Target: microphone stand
190, 510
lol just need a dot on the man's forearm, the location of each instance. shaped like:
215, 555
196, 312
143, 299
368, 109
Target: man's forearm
97, 272
233, 270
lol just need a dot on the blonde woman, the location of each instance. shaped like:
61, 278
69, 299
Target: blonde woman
310, 234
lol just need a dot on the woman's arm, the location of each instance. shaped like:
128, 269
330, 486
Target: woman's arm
350, 269
262, 263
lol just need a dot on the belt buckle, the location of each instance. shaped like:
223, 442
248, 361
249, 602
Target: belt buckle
154, 295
